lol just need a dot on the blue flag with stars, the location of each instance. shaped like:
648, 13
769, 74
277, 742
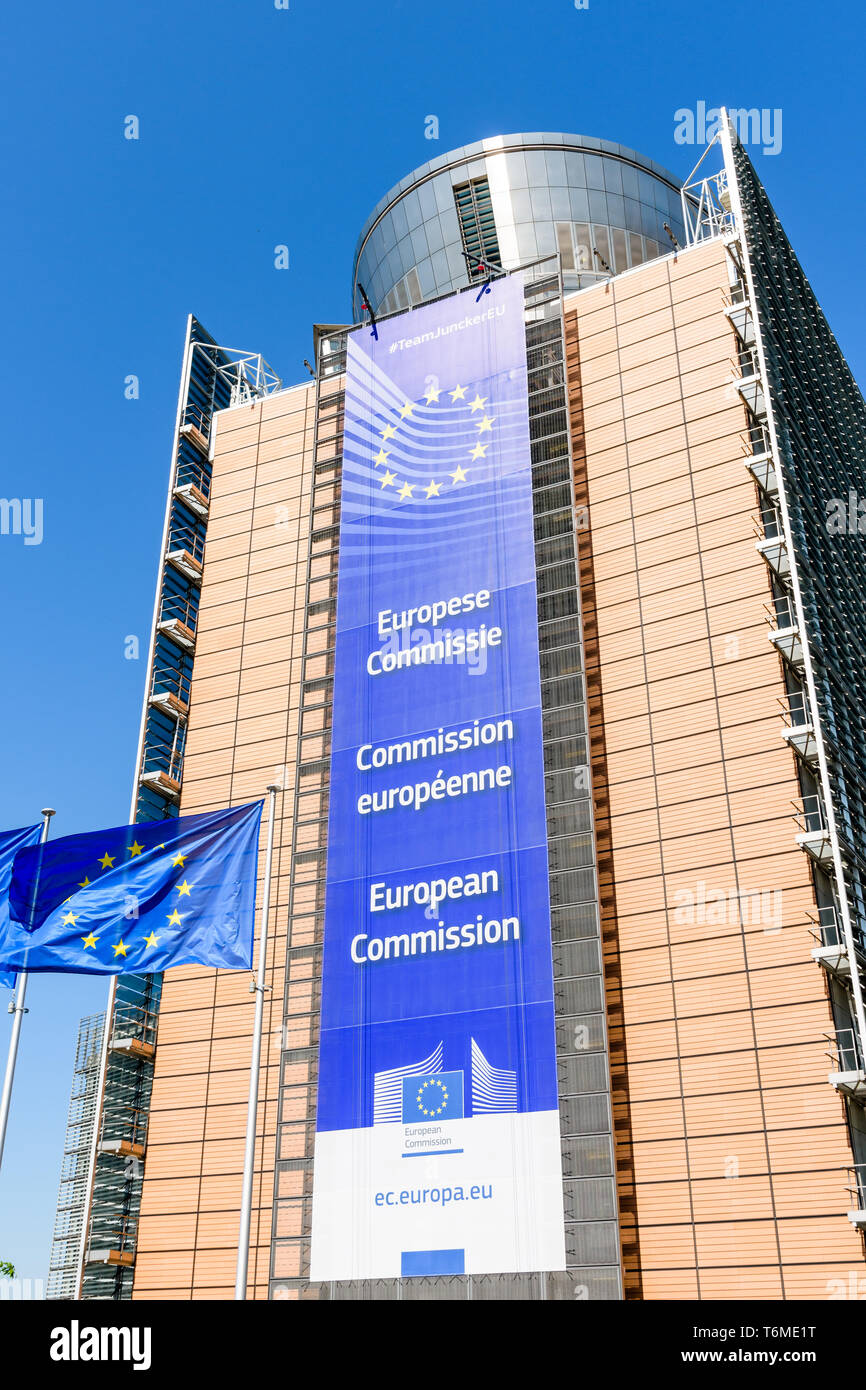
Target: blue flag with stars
138, 898
10, 843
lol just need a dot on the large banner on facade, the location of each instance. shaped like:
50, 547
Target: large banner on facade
437, 1138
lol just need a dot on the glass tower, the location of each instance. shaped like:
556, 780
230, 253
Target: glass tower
507, 202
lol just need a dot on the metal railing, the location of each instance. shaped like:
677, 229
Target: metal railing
114, 1231
826, 928
812, 818
781, 614
188, 539
582, 278
134, 1021
69, 1219
125, 1124
170, 680
192, 474
737, 295
198, 418
796, 713
857, 1186
769, 526
163, 757
846, 1052
758, 441
177, 609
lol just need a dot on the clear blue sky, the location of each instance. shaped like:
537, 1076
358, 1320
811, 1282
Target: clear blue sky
262, 126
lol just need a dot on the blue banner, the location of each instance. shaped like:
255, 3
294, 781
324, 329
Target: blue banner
437, 1024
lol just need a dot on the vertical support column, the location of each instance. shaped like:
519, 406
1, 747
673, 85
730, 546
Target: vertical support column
294, 1158
583, 1054
255, 1062
18, 1011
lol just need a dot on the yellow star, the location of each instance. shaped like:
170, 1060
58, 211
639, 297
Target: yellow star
179, 861
175, 919
388, 432
406, 410
135, 849
90, 940
183, 889
478, 404
458, 394
433, 394
459, 474
85, 884
151, 940
485, 424
381, 457
479, 451
120, 949
388, 479
107, 861
433, 489
70, 919
405, 491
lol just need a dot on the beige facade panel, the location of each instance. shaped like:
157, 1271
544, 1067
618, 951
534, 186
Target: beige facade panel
710, 1004
243, 725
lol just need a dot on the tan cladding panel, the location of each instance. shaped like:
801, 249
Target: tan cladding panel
705, 897
243, 728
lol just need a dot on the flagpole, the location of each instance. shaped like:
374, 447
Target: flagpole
252, 1104
17, 1009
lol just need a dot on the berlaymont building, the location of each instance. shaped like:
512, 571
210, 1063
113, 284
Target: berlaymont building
695, 451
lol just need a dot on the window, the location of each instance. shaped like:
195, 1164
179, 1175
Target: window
566, 248
603, 253
477, 226
585, 259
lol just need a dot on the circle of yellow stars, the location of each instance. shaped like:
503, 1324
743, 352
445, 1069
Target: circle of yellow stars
434, 1109
484, 424
107, 862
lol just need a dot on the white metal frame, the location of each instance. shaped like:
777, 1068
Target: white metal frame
706, 200
250, 375
726, 138
112, 987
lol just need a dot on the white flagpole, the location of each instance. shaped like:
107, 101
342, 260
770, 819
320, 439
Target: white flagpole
17, 1009
252, 1104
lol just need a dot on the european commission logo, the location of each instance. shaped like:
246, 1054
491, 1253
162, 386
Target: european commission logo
436, 1097
420, 1091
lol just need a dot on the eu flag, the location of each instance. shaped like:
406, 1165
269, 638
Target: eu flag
10, 843
137, 898
436, 1097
